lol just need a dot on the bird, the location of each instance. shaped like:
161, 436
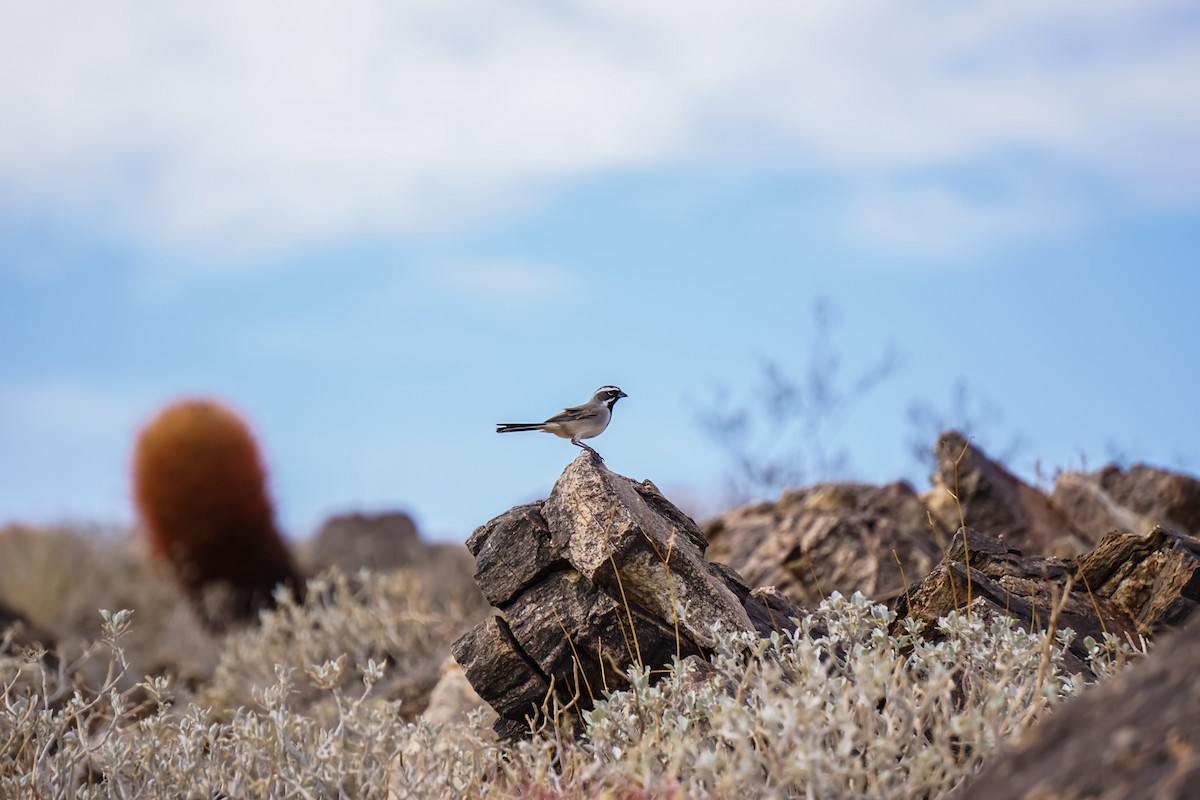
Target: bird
577, 422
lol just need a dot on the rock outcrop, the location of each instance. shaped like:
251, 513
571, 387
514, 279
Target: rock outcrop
589, 582
873, 539
1130, 586
1135, 735
1133, 499
992, 500
380, 542
834, 536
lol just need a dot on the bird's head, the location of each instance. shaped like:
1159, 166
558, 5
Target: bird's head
608, 395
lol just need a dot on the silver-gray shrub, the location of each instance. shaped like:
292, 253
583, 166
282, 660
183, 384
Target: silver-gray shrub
838, 709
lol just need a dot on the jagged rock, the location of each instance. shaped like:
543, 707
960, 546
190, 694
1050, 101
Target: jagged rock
1132, 499
843, 537
511, 552
1129, 586
1135, 735
993, 500
588, 582
1153, 579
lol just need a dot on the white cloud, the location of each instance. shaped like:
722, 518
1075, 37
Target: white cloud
222, 128
500, 281
936, 222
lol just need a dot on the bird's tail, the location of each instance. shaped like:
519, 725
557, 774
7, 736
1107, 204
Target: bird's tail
509, 427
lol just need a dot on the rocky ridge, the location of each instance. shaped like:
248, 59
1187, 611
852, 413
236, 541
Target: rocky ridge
590, 580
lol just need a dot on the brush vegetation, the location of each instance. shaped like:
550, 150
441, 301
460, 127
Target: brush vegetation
299, 707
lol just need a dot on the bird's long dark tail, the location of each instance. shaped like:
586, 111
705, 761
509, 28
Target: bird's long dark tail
509, 427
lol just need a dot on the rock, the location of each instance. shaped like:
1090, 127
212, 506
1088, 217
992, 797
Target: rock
994, 501
627, 538
844, 537
1080, 498
1130, 586
1132, 499
588, 582
1153, 579
386, 542
1135, 735
511, 552
453, 698
378, 542
1003, 582
352, 542
503, 675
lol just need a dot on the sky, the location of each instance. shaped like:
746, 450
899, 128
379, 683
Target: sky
377, 229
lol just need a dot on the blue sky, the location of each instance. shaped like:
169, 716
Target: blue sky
379, 231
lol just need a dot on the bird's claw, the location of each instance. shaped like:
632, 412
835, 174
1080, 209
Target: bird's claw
595, 455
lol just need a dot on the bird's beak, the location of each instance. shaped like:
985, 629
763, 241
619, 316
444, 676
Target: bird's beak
622, 394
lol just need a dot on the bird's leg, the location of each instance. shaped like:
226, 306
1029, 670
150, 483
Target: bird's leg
578, 443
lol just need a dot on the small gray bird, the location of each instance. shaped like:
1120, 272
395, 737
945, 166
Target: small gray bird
577, 422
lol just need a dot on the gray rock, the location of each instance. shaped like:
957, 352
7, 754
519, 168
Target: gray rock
588, 582
352, 542
382, 542
627, 538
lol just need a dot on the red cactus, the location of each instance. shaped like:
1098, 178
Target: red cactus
200, 488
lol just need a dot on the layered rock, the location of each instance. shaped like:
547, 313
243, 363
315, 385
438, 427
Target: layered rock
843, 537
1131, 586
970, 488
589, 582
1133, 499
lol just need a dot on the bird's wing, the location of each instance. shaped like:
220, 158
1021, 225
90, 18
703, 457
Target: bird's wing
572, 414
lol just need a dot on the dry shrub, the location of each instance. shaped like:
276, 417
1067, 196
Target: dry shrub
854, 712
402, 619
59, 577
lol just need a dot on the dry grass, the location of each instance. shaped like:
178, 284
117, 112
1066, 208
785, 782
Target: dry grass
58, 579
298, 708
